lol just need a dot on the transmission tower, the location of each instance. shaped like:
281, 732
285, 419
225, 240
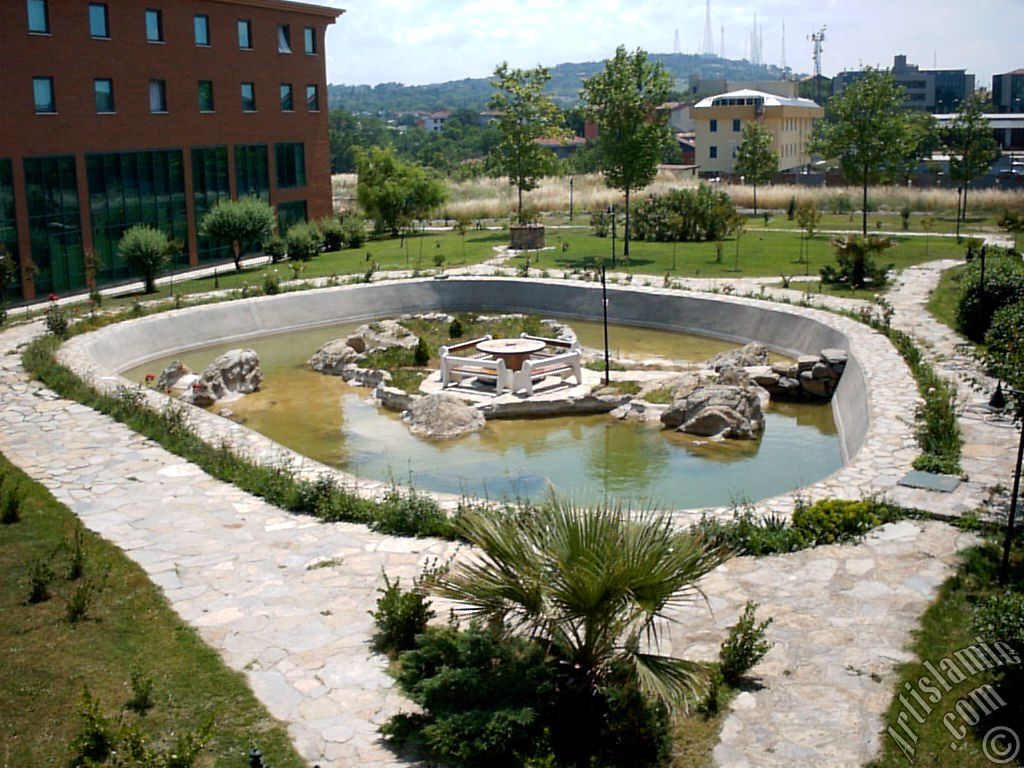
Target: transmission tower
721, 48
676, 47
783, 62
708, 47
817, 38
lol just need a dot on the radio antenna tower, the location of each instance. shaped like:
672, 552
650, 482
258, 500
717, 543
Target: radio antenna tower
817, 38
721, 48
708, 47
783, 62
676, 47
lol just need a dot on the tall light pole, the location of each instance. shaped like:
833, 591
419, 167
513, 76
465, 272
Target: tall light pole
572, 181
604, 310
1004, 568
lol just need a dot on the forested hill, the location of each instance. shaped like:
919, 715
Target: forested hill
565, 84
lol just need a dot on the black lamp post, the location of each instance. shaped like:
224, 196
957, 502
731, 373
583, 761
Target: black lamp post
611, 211
572, 181
604, 311
1004, 568
959, 193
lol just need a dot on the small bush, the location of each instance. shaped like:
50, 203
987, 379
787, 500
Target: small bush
438, 259
1000, 618
410, 514
275, 248
303, 241
600, 223
57, 320
746, 645
400, 616
855, 261
421, 355
455, 329
77, 608
791, 208
141, 684
10, 503
834, 520
76, 556
332, 233
905, 217
686, 215
271, 282
95, 739
39, 578
354, 231
976, 305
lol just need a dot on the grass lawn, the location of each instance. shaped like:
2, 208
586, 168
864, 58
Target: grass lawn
890, 222
46, 661
945, 629
761, 254
942, 302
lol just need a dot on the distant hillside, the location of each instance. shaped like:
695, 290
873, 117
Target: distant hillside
565, 84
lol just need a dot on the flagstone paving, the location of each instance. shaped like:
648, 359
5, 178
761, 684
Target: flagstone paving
285, 599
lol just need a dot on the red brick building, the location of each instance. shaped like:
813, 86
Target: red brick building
150, 111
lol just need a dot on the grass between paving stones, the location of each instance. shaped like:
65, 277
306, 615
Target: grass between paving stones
128, 624
947, 627
942, 302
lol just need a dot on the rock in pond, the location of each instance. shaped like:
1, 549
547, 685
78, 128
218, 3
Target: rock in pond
443, 417
235, 373
718, 410
384, 334
171, 375
746, 356
333, 357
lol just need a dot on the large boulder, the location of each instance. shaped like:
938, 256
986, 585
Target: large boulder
233, 374
383, 334
746, 356
333, 357
442, 417
171, 375
718, 410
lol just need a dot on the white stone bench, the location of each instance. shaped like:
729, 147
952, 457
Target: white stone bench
562, 365
456, 368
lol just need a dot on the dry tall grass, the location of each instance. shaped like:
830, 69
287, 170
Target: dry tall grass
495, 199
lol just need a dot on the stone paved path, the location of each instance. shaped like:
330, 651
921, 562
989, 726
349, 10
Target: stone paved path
249, 577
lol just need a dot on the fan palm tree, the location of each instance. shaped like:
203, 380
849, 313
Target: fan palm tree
594, 584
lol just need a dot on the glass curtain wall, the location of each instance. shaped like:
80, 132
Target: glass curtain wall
11, 291
54, 223
210, 184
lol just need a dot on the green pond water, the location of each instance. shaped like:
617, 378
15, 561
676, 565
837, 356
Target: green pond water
586, 456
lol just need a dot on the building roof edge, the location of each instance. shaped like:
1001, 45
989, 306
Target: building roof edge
286, 5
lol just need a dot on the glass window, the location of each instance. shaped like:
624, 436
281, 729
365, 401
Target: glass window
201, 27
309, 40
735, 125
210, 185
157, 96
54, 223
251, 172
714, 126
284, 39
9, 231
244, 34
714, 152
290, 163
42, 92
103, 89
287, 102
154, 25
290, 213
38, 18
99, 22
312, 98
206, 95
248, 97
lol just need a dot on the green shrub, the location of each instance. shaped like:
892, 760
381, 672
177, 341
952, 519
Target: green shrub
455, 329
687, 215
400, 616
10, 502
855, 261
410, 513
332, 233
77, 608
746, 645
791, 208
354, 231
147, 252
1005, 351
141, 684
601, 223
421, 354
271, 282
39, 579
76, 556
57, 320
1004, 285
1000, 618
835, 520
275, 248
95, 739
438, 259
303, 241
905, 217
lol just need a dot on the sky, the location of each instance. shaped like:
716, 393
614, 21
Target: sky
429, 41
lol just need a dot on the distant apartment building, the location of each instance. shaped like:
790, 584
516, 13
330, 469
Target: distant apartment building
148, 112
1008, 92
719, 127
434, 122
677, 114
928, 90
786, 88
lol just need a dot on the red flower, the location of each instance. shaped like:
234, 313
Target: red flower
150, 376
53, 297
195, 385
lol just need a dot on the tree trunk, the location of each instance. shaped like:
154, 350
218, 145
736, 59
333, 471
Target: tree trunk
755, 199
236, 250
963, 211
150, 282
864, 209
625, 250
519, 215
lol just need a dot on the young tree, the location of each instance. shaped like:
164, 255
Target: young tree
147, 251
527, 115
393, 192
623, 101
808, 217
868, 132
756, 161
970, 144
246, 220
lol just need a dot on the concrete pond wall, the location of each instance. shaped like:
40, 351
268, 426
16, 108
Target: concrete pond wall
872, 405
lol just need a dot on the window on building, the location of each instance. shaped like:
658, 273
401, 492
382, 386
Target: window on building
248, 97
287, 101
735, 125
309, 40
206, 95
290, 162
245, 34
714, 126
284, 39
713, 152
103, 91
9, 230
42, 93
99, 21
293, 212
157, 96
201, 27
251, 171
154, 25
38, 18
54, 223
209, 186
312, 98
